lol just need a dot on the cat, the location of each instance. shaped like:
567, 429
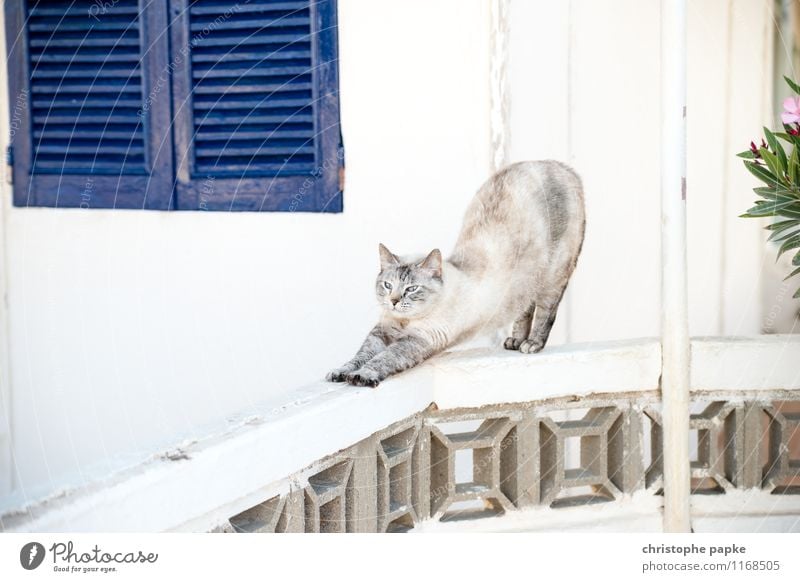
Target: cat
517, 249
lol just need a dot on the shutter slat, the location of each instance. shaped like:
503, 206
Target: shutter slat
245, 56
258, 24
239, 104
84, 42
266, 89
48, 119
85, 166
90, 149
208, 136
91, 74
85, 24
252, 151
218, 8
94, 10
245, 119
275, 40
86, 103
99, 134
86, 86
257, 168
240, 72
82, 85
104, 57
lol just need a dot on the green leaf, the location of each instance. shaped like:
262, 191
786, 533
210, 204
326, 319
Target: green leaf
794, 86
794, 163
765, 191
789, 244
747, 155
768, 207
792, 274
778, 236
772, 162
772, 193
771, 139
762, 173
789, 212
796, 259
779, 151
777, 195
782, 225
796, 294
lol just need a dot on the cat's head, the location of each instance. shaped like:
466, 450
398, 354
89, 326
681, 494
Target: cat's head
408, 289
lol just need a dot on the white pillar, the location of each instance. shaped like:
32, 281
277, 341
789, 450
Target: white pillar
499, 107
674, 301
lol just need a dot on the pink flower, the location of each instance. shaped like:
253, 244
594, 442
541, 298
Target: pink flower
791, 113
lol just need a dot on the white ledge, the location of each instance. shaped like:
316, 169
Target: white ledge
768, 362
195, 487
480, 377
182, 486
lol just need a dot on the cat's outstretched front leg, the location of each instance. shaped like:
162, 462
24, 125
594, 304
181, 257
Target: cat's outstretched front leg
373, 344
401, 355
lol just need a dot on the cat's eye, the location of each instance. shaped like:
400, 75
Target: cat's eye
387, 285
412, 288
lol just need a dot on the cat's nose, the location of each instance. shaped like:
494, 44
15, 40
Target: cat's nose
394, 301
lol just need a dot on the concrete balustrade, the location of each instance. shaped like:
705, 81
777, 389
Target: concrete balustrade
570, 438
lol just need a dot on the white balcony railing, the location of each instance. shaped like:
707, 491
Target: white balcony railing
568, 438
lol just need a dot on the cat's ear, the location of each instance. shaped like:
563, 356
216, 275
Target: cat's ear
433, 263
387, 257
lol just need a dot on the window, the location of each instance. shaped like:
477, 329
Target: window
187, 105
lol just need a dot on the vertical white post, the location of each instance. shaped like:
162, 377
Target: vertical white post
499, 108
674, 301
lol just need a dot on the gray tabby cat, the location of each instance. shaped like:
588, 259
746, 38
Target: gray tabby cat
518, 247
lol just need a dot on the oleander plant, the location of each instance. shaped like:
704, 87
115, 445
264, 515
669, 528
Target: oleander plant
776, 163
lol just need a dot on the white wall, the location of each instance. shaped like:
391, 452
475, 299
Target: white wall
585, 88
132, 330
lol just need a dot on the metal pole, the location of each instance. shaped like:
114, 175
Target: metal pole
675, 348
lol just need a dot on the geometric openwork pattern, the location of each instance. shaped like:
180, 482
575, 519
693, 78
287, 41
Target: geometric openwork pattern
653, 432
485, 487
714, 469
397, 473
328, 499
590, 481
479, 463
782, 470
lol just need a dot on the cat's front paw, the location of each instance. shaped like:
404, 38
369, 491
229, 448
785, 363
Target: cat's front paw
363, 377
338, 374
512, 343
531, 346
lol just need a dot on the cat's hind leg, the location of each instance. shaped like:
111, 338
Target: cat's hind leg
521, 329
543, 319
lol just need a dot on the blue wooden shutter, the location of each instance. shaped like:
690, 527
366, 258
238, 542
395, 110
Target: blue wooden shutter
92, 125
256, 105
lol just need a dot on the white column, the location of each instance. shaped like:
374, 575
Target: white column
499, 108
674, 301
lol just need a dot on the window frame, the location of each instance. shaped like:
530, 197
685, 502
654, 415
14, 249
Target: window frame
168, 125
318, 192
152, 190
